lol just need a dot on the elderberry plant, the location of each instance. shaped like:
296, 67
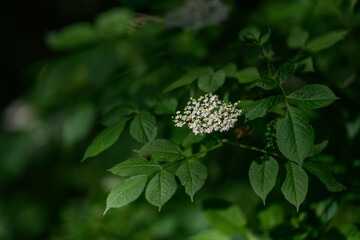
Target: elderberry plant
216, 123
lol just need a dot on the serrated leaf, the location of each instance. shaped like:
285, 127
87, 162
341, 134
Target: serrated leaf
286, 70
120, 111
166, 106
134, 166
262, 175
295, 136
326, 40
247, 75
212, 81
264, 83
295, 185
161, 188
211, 234
188, 78
127, 191
192, 174
105, 139
229, 220
313, 96
161, 150
318, 148
143, 127
323, 172
261, 107
297, 38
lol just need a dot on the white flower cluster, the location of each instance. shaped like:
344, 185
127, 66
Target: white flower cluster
207, 114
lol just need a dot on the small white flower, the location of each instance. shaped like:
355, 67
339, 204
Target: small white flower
208, 114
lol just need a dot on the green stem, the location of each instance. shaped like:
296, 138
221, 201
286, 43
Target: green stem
205, 151
254, 149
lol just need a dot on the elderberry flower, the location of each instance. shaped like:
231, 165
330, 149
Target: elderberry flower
208, 114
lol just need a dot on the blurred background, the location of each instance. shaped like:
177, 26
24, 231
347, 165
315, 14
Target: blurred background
67, 63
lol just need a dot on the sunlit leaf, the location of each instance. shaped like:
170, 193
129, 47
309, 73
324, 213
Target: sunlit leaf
134, 166
161, 188
192, 174
105, 139
161, 150
126, 192
325, 41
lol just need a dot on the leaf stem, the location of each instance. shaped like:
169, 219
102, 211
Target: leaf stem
254, 149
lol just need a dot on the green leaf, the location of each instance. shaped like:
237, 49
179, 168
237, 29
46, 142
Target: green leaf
323, 172
318, 148
313, 96
143, 127
134, 166
272, 216
71, 36
105, 139
306, 65
262, 175
114, 23
188, 78
261, 107
295, 185
247, 75
297, 38
161, 150
166, 106
161, 188
127, 191
295, 136
120, 111
212, 81
230, 70
265, 38
210, 234
191, 138
230, 220
192, 174
326, 40
250, 35
286, 70
264, 83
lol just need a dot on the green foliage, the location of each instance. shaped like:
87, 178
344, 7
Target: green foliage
161, 150
263, 174
261, 107
127, 191
134, 166
313, 96
105, 139
296, 184
247, 75
295, 136
130, 67
143, 127
325, 41
192, 175
161, 188
212, 81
